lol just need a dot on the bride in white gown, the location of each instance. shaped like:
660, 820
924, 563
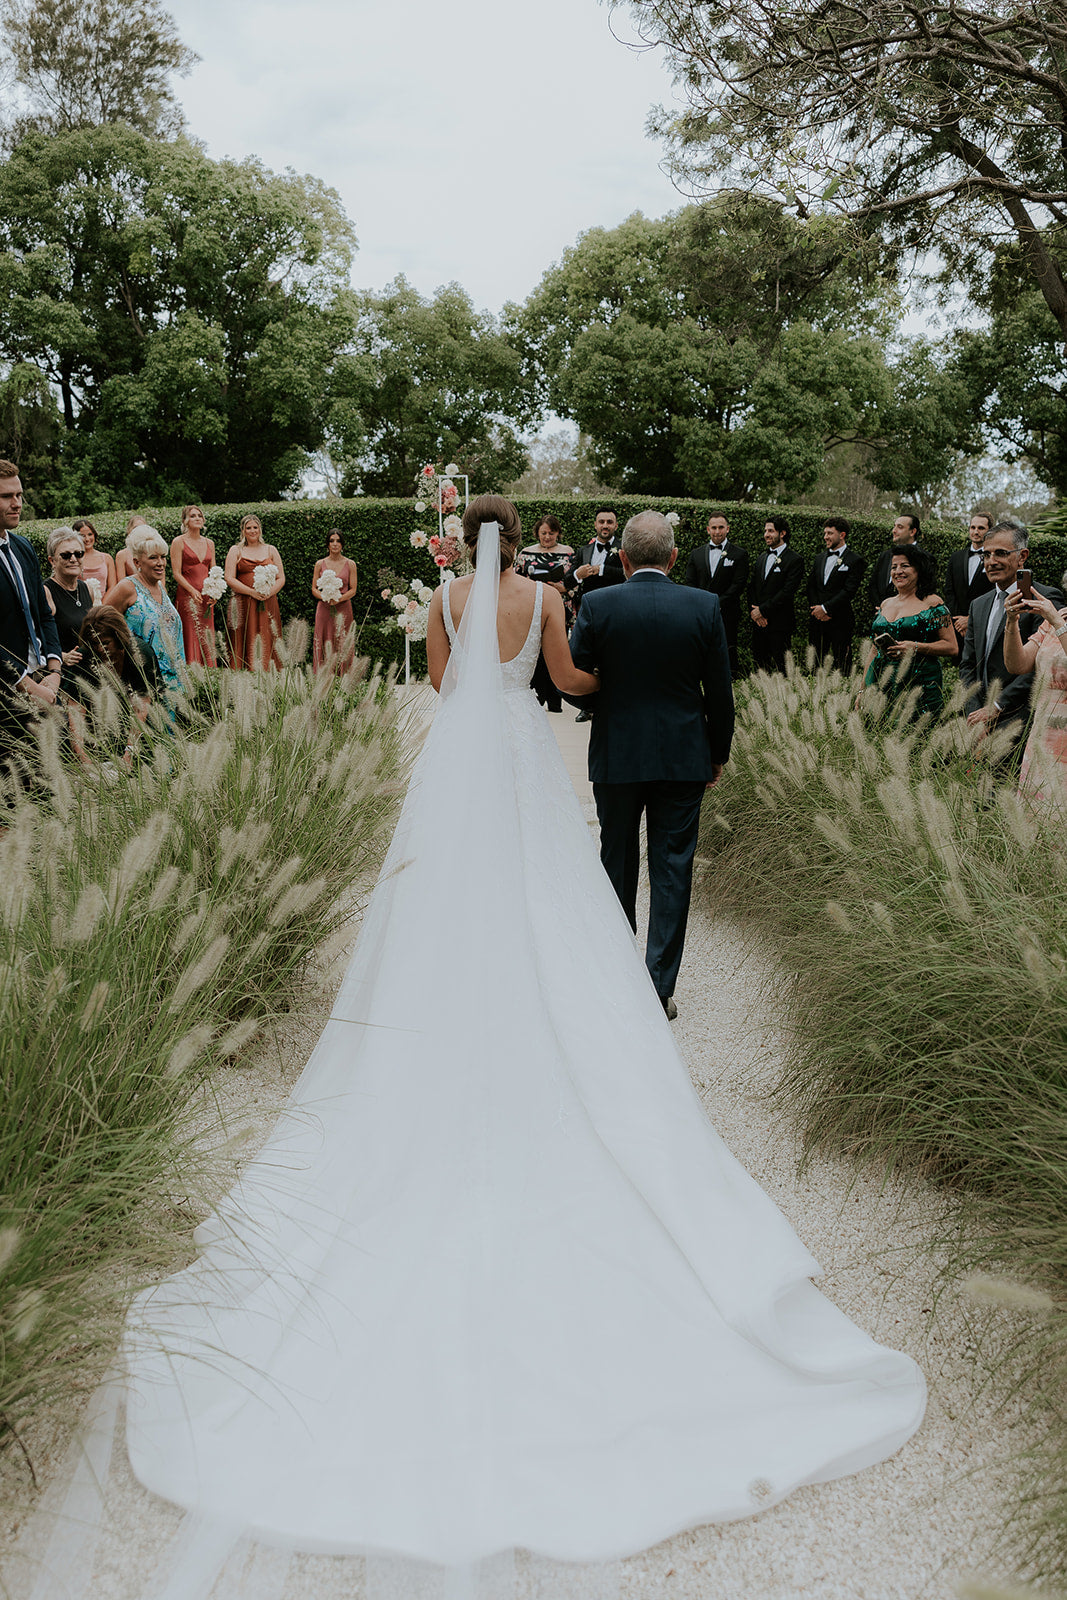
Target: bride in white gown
493, 1283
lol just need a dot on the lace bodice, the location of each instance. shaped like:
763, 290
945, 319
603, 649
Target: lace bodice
519, 670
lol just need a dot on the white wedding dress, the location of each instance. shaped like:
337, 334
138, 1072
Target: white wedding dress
493, 1283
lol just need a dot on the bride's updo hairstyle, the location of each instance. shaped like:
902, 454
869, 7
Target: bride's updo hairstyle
493, 508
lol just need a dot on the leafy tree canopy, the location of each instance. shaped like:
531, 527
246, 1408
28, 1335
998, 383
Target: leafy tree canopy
429, 380
945, 124
191, 315
84, 62
719, 352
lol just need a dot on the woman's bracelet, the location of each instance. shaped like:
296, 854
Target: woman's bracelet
1058, 633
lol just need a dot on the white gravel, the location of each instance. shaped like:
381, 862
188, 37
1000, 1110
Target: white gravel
907, 1529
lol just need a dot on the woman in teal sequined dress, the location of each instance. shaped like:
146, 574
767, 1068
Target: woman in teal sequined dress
912, 631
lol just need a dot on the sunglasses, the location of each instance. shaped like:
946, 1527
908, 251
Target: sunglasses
72, 555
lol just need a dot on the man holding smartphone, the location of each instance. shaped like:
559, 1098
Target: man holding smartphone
1005, 555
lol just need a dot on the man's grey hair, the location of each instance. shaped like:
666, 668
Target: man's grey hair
648, 540
60, 536
1011, 525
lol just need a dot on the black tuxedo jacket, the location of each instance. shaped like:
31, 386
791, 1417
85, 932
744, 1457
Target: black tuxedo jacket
731, 575
665, 711
880, 588
774, 593
14, 635
611, 572
979, 668
959, 594
837, 595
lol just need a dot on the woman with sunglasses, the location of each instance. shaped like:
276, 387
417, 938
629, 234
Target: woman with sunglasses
68, 594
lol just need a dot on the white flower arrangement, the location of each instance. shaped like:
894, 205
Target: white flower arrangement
451, 471
420, 507
330, 586
673, 518
215, 584
93, 586
419, 540
265, 579
453, 526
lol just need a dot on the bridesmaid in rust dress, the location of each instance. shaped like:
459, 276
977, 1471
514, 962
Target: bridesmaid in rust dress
192, 557
255, 618
332, 622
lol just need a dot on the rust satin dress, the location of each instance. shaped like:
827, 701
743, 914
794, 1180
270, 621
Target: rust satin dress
198, 623
332, 623
257, 624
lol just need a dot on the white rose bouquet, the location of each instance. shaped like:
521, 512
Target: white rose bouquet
93, 586
265, 579
215, 584
330, 586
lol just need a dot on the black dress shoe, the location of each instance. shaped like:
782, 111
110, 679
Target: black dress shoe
584, 716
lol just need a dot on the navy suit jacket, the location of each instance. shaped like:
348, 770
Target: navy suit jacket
14, 637
665, 711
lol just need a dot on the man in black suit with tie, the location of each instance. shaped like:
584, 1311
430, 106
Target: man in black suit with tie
832, 587
965, 580
597, 566
775, 579
721, 567
662, 731
30, 658
982, 662
906, 530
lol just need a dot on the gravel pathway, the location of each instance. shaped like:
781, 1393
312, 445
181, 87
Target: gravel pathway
908, 1529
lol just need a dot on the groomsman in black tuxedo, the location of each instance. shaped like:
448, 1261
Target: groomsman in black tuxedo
775, 579
30, 659
965, 580
832, 587
597, 566
721, 567
906, 530
662, 731
982, 661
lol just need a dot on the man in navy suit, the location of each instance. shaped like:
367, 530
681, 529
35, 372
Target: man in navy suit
661, 731
30, 659
982, 662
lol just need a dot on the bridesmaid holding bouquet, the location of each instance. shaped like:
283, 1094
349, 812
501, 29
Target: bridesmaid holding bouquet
333, 587
255, 573
191, 558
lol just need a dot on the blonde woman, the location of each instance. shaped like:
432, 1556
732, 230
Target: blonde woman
255, 616
149, 612
192, 557
124, 564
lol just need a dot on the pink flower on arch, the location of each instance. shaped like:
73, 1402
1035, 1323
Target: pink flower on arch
441, 561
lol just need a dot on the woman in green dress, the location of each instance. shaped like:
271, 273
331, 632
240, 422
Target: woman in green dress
912, 631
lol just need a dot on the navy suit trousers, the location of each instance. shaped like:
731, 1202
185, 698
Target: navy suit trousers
672, 822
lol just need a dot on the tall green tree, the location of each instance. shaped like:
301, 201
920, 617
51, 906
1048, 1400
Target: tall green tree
191, 315
83, 62
945, 124
720, 352
429, 380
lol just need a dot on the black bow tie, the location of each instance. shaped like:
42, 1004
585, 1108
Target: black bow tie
602, 546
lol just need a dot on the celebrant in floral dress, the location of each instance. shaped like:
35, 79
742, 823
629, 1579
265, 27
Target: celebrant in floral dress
192, 557
255, 573
1043, 774
333, 586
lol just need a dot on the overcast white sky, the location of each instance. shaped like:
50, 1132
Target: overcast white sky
471, 141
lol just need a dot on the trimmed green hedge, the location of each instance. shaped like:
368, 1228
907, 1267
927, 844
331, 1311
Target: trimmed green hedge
377, 534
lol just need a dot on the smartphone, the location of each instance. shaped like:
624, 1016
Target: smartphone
1025, 579
883, 641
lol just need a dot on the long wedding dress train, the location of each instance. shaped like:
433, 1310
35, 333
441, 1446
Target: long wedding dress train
494, 1282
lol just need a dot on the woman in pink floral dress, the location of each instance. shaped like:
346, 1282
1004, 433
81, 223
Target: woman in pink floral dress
1043, 775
